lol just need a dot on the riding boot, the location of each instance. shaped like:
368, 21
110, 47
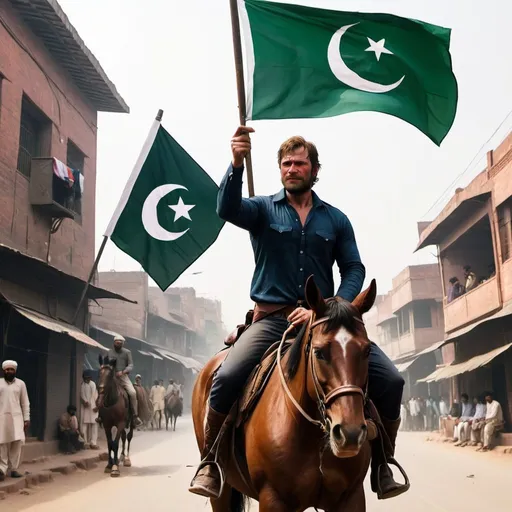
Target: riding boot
207, 481
136, 421
383, 454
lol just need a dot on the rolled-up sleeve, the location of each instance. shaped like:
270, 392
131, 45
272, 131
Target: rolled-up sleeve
231, 206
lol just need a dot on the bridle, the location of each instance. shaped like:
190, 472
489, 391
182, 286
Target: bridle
323, 400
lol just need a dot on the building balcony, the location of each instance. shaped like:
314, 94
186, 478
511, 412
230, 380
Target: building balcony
477, 303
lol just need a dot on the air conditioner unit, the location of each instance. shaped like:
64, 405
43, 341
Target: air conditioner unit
44, 188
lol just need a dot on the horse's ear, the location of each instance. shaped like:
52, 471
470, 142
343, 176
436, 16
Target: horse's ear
100, 360
314, 297
365, 300
112, 362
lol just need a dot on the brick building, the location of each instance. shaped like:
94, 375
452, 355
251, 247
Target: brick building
407, 323
51, 89
474, 229
162, 337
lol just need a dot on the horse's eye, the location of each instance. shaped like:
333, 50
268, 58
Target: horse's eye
319, 354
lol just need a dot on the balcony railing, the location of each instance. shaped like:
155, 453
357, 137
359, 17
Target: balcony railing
472, 306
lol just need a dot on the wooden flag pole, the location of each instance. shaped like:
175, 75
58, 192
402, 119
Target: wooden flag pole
100, 253
240, 85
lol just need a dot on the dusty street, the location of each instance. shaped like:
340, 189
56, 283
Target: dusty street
443, 478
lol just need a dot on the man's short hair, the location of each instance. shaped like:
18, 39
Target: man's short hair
453, 280
465, 395
297, 142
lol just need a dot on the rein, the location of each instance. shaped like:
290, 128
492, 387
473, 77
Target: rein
323, 400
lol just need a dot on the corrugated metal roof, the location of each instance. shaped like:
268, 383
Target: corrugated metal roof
401, 367
57, 326
150, 354
467, 366
187, 362
48, 21
433, 375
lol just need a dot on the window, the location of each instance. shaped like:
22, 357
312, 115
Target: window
35, 136
174, 302
75, 160
422, 315
504, 223
404, 322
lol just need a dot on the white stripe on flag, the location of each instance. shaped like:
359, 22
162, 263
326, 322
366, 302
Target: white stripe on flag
133, 177
249, 57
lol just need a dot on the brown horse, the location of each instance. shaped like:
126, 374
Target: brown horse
306, 440
173, 409
114, 411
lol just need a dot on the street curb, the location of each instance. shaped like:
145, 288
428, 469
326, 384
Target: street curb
48, 475
500, 450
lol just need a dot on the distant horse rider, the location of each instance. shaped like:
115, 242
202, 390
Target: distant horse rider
124, 365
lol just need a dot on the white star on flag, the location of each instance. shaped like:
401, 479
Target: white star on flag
181, 209
378, 48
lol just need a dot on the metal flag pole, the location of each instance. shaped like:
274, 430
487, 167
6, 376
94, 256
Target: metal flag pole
122, 203
240, 85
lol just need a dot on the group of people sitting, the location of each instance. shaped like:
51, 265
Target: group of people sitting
477, 422
457, 289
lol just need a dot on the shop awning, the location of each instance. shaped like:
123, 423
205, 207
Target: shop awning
187, 362
404, 365
57, 326
453, 370
150, 354
401, 367
432, 377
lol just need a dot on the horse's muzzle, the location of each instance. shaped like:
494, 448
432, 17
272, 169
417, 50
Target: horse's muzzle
346, 441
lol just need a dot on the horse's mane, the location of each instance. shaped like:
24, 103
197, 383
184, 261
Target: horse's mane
112, 391
340, 313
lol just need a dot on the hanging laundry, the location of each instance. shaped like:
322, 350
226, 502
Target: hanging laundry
63, 172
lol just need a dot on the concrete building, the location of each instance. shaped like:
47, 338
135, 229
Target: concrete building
407, 323
474, 229
51, 89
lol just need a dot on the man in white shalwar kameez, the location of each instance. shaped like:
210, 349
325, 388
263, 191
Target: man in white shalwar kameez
14, 419
89, 411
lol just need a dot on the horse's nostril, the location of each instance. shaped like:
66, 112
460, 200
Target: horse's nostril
336, 432
364, 427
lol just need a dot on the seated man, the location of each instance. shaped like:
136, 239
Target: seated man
294, 234
465, 426
69, 434
466, 412
478, 422
493, 421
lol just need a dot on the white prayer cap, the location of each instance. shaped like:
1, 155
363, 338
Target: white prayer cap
118, 337
9, 364
138, 376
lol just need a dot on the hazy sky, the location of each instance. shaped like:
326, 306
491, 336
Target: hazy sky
383, 173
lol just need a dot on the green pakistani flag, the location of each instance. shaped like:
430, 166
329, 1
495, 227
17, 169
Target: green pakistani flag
305, 62
166, 217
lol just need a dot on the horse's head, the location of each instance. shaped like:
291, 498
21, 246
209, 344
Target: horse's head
338, 361
106, 376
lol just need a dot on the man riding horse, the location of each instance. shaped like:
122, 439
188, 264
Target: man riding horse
124, 365
294, 234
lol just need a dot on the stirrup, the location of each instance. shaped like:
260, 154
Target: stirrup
401, 489
205, 463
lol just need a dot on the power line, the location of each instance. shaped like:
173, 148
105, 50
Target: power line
468, 166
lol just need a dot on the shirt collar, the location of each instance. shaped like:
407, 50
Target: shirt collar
281, 196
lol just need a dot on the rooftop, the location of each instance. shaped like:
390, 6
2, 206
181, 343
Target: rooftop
48, 21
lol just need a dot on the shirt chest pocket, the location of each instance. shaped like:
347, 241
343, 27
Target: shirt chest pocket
281, 237
322, 242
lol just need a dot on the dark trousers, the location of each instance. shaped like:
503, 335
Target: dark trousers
69, 442
385, 384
